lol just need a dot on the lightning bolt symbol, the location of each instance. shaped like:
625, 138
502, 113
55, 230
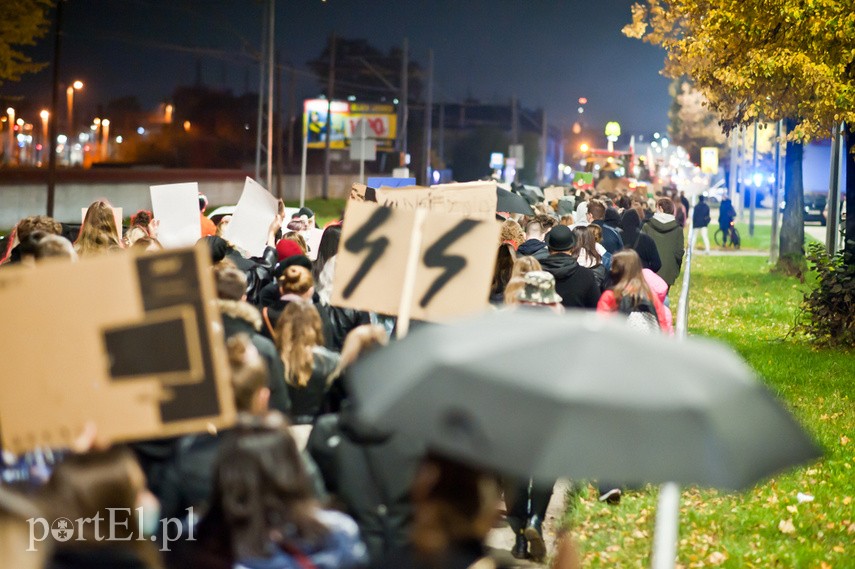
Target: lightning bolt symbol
360, 241
435, 257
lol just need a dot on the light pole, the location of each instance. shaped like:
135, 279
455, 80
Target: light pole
11, 112
69, 94
105, 138
45, 115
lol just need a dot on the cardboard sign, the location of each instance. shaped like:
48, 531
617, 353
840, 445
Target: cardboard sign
471, 199
117, 216
129, 342
455, 261
255, 211
176, 206
553, 193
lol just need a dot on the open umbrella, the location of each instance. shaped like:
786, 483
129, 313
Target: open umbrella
511, 202
498, 391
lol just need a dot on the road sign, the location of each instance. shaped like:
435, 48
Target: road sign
709, 160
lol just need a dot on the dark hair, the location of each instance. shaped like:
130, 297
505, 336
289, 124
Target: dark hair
585, 240
261, 494
504, 267
142, 218
327, 249
701, 199
597, 209
231, 282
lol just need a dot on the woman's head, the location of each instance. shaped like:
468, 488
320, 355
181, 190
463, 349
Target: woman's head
327, 248
99, 231
298, 331
627, 276
512, 233
297, 280
522, 265
585, 241
454, 503
262, 493
502, 272
630, 221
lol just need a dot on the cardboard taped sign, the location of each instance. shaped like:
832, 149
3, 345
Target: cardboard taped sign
133, 343
454, 269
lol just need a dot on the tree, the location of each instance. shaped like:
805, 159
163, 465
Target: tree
693, 126
22, 22
763, 59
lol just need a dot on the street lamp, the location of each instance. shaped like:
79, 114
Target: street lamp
105, 140
69, 94
11, 112
45, 115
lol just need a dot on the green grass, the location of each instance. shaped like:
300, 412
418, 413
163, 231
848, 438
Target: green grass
739, 301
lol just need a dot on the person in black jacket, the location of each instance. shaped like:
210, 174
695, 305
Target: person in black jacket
534, 244
576, 285
240, 317
641, 243
700, 221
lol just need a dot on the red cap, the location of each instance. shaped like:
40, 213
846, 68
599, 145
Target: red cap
287, 248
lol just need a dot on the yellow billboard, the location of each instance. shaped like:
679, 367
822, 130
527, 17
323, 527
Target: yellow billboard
381, 118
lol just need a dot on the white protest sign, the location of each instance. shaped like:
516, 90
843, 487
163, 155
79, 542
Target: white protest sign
456, 256
470, 199
251, 220
176, 207
553, 193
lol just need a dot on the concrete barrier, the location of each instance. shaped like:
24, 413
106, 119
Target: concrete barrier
24, 193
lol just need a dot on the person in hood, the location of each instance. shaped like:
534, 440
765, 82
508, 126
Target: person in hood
668, 236
576, 285
535, 232
612, 219
634, 239
596, 215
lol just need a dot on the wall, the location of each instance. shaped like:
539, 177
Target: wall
23, 194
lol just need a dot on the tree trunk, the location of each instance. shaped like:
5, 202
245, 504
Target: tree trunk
849, 188
792, 256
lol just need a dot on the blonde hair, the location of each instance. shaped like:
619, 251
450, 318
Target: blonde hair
298, 239
511, 231
98, 232
298, 332
512, 291
358, 342
523, 265
296, 280
249, 372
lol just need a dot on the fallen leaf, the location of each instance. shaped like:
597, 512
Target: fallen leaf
716, 558
844, 440
847, 500
786, 526
838, 549
792, 509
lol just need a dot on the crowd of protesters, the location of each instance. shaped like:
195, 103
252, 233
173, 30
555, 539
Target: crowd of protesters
299, 482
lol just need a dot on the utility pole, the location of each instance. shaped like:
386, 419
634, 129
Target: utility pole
280, 126
270, 76
328, 128
753, 185
734, 157
405, 97
776, 197
543, 147
261, 77
515, 121
54, 103
292, 113
428, 119
833, 201
441, 144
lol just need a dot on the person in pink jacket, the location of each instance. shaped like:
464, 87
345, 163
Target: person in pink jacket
631, 292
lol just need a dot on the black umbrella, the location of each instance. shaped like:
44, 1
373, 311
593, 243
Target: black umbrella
511, 202
497, 391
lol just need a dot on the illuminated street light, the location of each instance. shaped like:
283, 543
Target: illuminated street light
10, 149
78, 85
584, 147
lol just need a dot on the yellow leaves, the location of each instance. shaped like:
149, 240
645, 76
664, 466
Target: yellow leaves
786, 526
838, 549
792, 509
847, 500
716, 558
844, 440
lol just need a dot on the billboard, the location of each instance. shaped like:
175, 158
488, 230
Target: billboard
381, 118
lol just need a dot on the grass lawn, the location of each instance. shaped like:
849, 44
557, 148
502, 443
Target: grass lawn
739, 301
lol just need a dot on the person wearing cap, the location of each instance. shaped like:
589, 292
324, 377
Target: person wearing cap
538, 289
576, 285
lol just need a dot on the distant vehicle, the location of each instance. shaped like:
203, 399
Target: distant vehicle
816, 208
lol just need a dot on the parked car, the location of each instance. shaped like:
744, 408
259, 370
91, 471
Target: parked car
816, 208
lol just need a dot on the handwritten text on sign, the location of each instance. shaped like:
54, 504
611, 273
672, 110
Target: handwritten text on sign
456, 258
473, 199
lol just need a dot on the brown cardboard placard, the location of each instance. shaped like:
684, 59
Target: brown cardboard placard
357, 192
470, 199
67, 331
553, 193
455, 266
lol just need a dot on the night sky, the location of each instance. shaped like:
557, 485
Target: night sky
546, 52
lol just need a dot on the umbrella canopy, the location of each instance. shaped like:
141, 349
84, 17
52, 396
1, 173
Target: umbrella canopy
511, 202
534, 394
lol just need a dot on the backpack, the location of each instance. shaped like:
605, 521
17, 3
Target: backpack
640, 314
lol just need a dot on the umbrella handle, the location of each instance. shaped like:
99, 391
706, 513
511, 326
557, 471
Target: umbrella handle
667, 525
